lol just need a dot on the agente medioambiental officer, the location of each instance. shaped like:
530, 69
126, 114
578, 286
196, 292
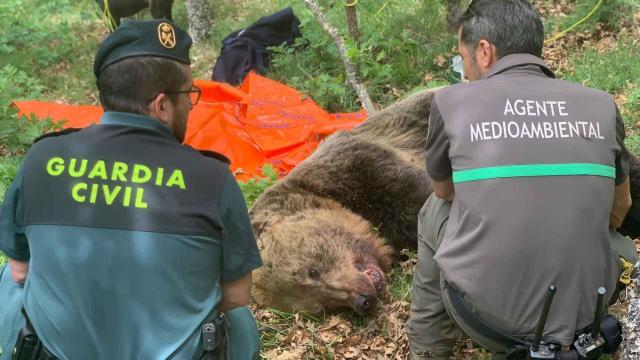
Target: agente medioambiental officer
530, 181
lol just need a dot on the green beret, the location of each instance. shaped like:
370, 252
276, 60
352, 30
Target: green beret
133, 38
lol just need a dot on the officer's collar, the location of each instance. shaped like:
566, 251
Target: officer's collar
516, 60
135, 120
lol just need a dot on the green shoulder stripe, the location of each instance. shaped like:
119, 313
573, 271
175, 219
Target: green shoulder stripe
511, 171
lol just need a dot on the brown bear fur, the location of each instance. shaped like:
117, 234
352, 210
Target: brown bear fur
320, 230
631, 224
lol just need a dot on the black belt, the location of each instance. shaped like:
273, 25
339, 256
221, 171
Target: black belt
469, 317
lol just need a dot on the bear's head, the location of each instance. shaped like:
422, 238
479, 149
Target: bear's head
321, 259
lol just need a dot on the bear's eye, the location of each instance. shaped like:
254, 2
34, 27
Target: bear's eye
314, 274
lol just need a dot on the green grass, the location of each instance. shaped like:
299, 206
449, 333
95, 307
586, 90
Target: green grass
610, 14
51, 42
8, 169
252, 188
616, 71
611, 71
400, 278
631, 113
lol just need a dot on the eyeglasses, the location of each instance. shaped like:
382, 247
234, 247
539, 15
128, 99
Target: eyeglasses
194, 94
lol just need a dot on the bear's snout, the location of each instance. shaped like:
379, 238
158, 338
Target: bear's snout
365, 304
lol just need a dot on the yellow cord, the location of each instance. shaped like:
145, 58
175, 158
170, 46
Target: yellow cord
627, 271
563, 33
350, 4
106, 13
382, 7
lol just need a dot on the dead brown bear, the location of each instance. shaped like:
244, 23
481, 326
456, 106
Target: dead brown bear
320, 230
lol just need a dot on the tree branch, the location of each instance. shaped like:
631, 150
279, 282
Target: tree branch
352, 73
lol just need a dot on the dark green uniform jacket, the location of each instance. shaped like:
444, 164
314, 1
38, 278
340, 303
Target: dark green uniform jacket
128, 234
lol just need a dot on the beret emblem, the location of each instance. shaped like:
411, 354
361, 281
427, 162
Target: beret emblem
166, 35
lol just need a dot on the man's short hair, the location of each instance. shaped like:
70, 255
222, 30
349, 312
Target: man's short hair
513, 26
130, 85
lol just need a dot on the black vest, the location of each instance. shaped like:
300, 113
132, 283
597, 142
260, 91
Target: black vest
122, 177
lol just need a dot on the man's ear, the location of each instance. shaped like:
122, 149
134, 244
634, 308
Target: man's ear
159, 108
485, 54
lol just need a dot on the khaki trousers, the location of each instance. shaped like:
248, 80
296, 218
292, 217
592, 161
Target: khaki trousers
433, 326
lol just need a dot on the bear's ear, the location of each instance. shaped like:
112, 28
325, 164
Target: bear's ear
386, 254
259, 227
262, 223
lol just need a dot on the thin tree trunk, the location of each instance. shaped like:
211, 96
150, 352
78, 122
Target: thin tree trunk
352, 74
199, 22
352, 20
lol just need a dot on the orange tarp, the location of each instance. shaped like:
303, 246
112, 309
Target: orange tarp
262, 121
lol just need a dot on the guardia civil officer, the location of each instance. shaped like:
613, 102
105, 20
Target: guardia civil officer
530, 176
132, 244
